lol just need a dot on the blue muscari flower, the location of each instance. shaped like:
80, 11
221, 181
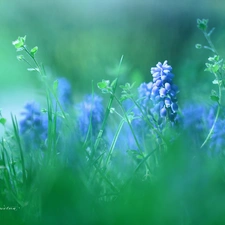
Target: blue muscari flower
194, 117
161, 92
198, 119
33, 126
145, 91
90, 110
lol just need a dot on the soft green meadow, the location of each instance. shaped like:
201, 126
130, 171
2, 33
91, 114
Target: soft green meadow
117, 146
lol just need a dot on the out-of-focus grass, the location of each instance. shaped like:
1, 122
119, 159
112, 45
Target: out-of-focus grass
188, 189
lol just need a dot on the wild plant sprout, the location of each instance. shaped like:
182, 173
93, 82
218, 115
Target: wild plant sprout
215, 66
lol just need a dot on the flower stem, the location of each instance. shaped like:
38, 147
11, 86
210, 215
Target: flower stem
217, 115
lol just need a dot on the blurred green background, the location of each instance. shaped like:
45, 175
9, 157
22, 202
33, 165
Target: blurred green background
84, 40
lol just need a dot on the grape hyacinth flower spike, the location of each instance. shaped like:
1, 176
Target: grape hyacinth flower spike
34, 125
161, 92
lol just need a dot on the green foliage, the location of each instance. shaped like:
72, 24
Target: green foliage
55, 86
33, 51
214, 96
105, 86
198, 46
2, 119
216, 67
20, 46
127, 91
19, 43
202, 24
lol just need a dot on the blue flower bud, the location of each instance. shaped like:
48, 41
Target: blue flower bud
174, 107
162, 92
163, 112
167, 102
167, 86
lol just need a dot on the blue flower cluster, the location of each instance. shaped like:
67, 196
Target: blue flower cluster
161, 92
194, 116
34, 125
90, 111
198, 119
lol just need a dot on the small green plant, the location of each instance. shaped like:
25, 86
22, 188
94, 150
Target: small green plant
215, 66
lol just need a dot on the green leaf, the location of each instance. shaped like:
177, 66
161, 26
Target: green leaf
215, 68
33, 69
134, 154
127, 87
103, 84
123, 98
19, 42
20, 49
33, 51
2, 121
44, 110
208, 65
208, 69
113, 83
216, 57
132, 85
211, 31
213, 92
20, 57
55, 86
202, 24
198, 46
214, 98
211, 59
215, 81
